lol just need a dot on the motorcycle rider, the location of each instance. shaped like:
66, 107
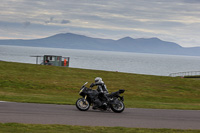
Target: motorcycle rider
101, 88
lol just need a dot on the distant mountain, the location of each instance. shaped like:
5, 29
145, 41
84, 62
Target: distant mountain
126, 44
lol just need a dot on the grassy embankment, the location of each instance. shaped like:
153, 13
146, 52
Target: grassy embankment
49, 84
59, 85
36, 128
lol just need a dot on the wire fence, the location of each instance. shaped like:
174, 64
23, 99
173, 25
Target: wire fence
183, 74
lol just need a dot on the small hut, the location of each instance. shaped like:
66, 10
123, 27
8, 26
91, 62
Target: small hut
53, 60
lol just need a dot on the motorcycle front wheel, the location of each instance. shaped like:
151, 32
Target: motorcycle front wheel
82, 104
118, 107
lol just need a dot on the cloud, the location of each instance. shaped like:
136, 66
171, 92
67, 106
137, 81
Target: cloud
192, 1
26, 24
50, 20
169, 19
65, 21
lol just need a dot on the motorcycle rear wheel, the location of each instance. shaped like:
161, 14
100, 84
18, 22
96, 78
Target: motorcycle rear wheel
118, 107
82, 104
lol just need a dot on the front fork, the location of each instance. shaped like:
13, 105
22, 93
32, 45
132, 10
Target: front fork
85, 99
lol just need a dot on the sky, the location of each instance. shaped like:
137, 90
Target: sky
169, 20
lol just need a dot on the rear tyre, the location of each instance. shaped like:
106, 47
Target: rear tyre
82, 104
118, 107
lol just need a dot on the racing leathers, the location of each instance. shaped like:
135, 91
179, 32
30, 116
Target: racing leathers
101, 88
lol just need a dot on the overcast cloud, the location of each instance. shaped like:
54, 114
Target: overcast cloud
170, 20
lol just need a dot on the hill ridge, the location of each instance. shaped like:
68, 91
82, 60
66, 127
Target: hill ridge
152, 45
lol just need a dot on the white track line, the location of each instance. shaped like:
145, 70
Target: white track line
2, 101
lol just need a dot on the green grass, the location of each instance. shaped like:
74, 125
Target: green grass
59, 85
36, 128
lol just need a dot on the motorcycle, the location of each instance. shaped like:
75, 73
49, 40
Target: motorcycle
91, 97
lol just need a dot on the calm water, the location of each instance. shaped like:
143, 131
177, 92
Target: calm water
151, 64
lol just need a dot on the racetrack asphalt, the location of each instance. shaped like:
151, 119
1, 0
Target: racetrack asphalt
31, 113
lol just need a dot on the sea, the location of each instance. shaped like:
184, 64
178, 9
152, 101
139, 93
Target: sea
127, 62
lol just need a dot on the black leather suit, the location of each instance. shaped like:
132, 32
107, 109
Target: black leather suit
101, 88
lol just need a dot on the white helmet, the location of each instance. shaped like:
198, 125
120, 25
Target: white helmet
98, 79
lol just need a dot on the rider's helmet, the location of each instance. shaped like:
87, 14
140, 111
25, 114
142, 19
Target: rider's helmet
98, 79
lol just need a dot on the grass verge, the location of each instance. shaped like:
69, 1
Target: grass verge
21, 82
36, 128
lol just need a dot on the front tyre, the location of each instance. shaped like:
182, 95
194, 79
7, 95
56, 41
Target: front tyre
82, 104
118, 107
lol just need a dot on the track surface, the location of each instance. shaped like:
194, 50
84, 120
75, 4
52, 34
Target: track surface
69, 115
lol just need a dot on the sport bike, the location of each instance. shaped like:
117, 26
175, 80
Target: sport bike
91, 97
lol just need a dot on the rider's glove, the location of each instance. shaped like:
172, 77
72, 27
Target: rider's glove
92, 85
